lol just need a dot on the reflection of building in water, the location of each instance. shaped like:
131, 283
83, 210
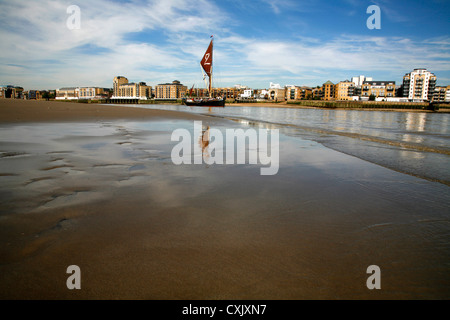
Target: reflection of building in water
416, 122
204, 142
408, 155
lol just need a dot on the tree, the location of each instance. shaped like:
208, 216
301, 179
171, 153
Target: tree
372, 97
46, 95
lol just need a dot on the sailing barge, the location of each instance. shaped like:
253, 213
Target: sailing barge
207, 65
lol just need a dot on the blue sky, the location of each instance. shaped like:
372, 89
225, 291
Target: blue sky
290, 42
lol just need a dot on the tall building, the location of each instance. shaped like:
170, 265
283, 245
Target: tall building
174, 90
328, 90
118, 81
122, 89
419, 85
344, 90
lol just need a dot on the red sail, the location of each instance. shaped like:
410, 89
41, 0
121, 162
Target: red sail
206, 62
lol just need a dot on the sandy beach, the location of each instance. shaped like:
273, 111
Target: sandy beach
20, 111
95, 186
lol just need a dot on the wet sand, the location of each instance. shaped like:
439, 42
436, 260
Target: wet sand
19, 111
105, 195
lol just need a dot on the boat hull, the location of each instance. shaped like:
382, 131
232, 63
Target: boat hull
205, 103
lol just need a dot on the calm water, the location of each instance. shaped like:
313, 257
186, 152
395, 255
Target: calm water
410, 142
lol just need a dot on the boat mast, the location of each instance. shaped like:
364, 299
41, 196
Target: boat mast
211, 73
204, 75
207, 64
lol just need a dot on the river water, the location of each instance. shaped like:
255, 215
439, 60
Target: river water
415, 143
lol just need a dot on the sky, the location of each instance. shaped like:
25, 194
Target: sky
289, 42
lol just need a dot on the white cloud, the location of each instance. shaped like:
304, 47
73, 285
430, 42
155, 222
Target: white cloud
390, 55
34, 34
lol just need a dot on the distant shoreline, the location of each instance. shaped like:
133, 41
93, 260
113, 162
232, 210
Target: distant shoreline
295, 106
26, 111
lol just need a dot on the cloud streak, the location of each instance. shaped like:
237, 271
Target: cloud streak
344, 53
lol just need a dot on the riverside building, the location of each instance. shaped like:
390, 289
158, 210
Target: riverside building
117, 82
170, 91
11, 92
380, 89
124, 91
298, 93
344, 90
328, 90
75, 93
441, 94
419, 85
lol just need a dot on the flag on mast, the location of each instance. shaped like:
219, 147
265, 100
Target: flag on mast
206, 62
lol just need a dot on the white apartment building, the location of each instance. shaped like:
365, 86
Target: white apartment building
275, 86
358, 81
76, 93
247, 94
419, 85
